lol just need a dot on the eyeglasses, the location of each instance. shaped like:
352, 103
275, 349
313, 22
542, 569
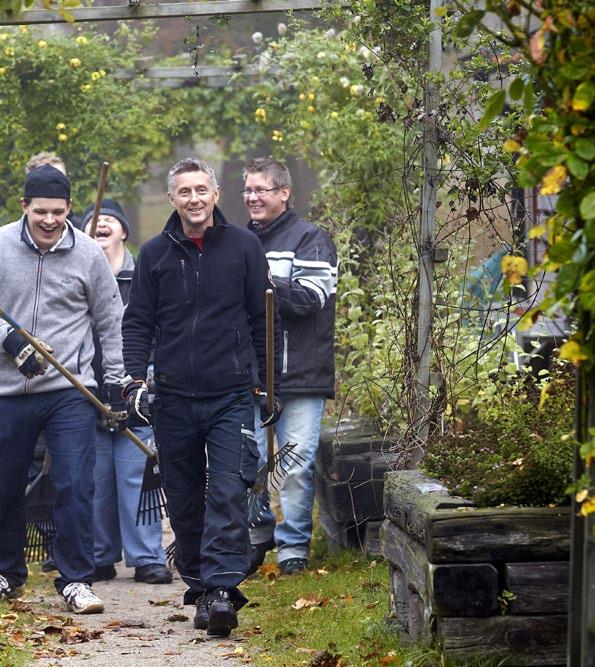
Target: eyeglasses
259, 192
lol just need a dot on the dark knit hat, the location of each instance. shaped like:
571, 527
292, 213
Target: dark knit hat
46, 181
108, 207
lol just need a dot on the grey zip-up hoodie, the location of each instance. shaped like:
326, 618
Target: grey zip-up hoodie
57, 297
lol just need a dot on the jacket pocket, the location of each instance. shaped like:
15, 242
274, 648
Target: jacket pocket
249, 457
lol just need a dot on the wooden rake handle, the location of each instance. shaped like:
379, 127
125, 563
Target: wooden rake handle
70, 377
270, 357
99, 198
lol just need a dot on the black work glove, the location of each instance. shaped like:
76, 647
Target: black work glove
268, 418
112, 397
136, 395
28, 360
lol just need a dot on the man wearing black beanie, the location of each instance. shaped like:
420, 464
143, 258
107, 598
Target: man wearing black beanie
57, 283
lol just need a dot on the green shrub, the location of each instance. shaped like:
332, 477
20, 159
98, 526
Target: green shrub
515, 448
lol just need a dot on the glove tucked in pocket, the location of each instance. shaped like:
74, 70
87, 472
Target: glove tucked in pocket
249, 457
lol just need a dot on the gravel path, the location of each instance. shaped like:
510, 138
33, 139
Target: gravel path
143, 624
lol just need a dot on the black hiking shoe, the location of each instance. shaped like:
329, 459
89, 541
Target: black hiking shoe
259, 551
201, 618
222, 616
293, 565
154, 573
104, 573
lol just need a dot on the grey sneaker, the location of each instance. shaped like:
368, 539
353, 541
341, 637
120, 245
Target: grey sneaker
80, 599
9, 591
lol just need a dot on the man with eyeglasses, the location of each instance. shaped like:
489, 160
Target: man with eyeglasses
198, 295
303, 262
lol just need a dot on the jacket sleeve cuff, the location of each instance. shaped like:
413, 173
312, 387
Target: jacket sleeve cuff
14, 343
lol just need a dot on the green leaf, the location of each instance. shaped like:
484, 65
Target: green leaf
515, 90
561, 252
529, 98
469, 22
590, 231
583, 96
566, 279
585, 148
587, 291
577, 167
492, 108
587, 207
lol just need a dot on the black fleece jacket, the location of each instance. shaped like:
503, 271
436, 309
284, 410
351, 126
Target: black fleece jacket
206, 311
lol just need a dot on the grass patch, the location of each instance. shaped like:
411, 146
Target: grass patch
332, 615
338, 606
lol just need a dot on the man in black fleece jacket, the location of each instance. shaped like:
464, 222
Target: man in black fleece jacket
198, 294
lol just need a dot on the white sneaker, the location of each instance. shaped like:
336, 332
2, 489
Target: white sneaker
7, 590
80, 599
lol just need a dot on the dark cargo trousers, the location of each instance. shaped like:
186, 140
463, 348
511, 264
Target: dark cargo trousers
209, 518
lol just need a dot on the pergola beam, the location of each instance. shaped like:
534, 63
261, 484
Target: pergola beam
160, 10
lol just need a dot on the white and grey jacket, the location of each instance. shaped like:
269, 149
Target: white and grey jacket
303, 262
58, 296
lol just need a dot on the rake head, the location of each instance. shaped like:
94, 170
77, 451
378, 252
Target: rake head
152, 505
39, 518
270, 475
170, 553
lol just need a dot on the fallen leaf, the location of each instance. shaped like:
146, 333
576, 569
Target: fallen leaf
19, 605
308, 603
321, 571
309, 651
389, 659
269, 570
371, 605
159, 603
174, 618
325, 659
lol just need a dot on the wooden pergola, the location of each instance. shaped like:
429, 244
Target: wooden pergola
141, 10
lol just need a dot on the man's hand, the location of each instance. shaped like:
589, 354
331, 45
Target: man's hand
112, 397
136, 396
29, 361
268, 418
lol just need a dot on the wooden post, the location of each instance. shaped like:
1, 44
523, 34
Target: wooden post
427, 239
581, 618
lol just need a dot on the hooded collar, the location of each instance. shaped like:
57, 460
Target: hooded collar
286, 218
66, 242
173, 227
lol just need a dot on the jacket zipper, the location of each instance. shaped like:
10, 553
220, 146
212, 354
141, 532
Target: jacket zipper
194, 321
183, 265
285, 350
35, 307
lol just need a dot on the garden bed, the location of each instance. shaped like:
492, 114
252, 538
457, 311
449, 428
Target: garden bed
489, 582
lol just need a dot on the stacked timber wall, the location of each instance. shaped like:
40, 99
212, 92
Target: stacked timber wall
476, 582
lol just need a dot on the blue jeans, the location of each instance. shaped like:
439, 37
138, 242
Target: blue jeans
68, 421
299, 423
119, 471
210, 521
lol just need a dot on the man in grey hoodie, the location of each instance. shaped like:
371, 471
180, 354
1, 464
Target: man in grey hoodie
56, 282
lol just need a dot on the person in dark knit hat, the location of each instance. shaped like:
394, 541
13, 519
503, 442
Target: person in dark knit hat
120, 466
58, 284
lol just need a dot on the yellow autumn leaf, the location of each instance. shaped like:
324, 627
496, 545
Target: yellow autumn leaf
511, 146
588, 507
581, 495
545, 394
536, 231
571, 350
514, 268
553, 180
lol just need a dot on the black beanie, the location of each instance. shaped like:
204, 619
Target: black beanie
46, 181
108, 207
